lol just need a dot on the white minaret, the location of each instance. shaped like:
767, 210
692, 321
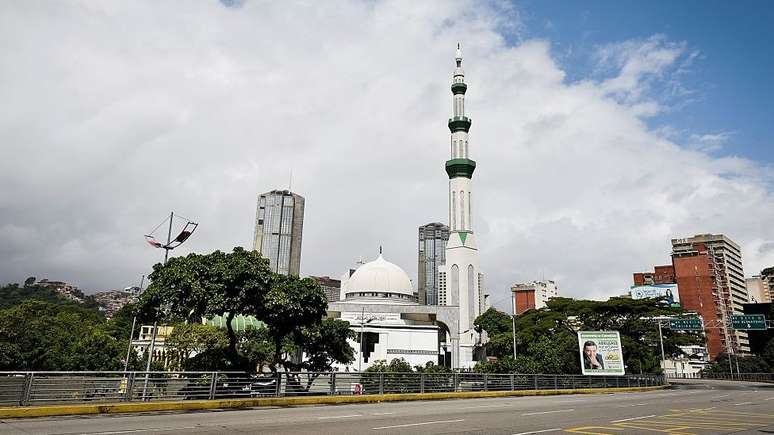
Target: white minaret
459, 280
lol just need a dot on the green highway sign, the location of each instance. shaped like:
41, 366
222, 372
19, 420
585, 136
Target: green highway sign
686, 324
748, 322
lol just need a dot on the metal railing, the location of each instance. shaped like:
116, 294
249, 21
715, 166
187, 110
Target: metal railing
747, 377
37, 388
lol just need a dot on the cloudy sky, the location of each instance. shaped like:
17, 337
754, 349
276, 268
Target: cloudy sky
596, 143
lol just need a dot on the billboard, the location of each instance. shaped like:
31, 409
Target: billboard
600, 353
669, 291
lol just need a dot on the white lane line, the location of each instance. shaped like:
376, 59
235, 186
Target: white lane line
743, 403
340, 416
770, 398
539, 431
417, 424
504, 405
382, 413
633, 418
724, 395
152, 429
548, 412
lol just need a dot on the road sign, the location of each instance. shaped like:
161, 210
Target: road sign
749, 322
686, 324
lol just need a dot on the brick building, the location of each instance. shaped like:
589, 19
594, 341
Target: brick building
533, 295
660, 275
709, 275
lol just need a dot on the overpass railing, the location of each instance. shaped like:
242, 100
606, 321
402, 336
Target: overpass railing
747, 377
37, 388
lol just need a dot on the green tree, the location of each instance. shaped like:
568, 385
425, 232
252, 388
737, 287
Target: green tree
546, 339
206, 342
29, 281
38, 335
196, 286
291, 305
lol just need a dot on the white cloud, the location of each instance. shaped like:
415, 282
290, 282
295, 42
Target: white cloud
115, 113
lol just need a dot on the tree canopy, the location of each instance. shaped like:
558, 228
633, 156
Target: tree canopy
546, 339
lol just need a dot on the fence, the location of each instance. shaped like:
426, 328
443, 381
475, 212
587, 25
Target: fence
37, 388
747, 377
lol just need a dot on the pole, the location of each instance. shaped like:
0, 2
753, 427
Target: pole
362, 324
150, 357
513, 321
661, 342
169, 237
129, 348
131, 334
153, 337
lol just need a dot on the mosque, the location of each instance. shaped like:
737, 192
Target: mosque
378, 299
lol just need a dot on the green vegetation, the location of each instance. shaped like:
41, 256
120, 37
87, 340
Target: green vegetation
546, 339
40, 330
226, 284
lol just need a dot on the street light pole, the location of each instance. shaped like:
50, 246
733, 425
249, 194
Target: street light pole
661, 342
513, 321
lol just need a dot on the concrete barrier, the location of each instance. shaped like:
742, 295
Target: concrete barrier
190, 405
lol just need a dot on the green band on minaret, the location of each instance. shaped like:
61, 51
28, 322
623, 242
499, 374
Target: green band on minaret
459, 123
459, 88
460, 168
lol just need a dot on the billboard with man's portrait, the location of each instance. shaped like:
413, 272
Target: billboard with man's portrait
601, 353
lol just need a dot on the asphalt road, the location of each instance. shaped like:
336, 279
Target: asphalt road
704, 407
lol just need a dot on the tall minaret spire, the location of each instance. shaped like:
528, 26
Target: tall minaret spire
459, 278
460, 168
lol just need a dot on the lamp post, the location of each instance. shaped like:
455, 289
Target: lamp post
513, 321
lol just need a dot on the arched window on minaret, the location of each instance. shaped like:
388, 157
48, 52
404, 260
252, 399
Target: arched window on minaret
462, 210
470, 211
471, 294
455, 285
454, 211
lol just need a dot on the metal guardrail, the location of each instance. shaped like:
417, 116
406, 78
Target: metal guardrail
37, 388
747, 377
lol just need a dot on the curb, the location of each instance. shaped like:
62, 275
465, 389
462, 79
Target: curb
191, 405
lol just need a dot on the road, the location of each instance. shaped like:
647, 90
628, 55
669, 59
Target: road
693, 407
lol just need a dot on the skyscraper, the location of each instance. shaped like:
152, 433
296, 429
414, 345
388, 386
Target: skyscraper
533, 295
459, 279
279, 223
432, 254
710, 278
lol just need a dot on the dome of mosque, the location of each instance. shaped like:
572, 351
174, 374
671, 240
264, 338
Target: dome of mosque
380, 279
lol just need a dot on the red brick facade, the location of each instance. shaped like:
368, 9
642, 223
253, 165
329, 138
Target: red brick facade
695, 282
660, 275
524, 300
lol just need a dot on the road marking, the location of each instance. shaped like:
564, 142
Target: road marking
770, 398
743, 403
417, 424
488, 406
548, 412
635, 404
341, 416
152, 429
539, 431
383, 413
633, 418
724, 395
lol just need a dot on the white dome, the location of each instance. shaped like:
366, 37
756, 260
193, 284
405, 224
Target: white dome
380, 276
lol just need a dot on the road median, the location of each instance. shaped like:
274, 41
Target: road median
192, 405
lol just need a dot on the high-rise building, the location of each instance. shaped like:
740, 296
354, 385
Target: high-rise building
459, 279
756, 291
432, 254
533, 295
767, 281
710, 278
331, 287
279, 223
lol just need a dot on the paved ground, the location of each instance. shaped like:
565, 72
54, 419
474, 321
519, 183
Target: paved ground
693, 407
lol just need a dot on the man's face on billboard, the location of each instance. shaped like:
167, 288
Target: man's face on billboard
590, 351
